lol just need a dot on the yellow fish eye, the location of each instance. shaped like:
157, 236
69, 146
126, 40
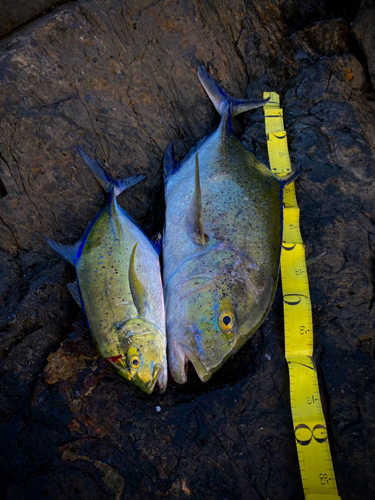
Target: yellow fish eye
226, 321
135, 362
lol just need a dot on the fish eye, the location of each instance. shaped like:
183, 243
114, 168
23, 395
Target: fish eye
135, 362
226, 321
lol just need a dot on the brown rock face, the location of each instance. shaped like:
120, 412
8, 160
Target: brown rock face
120, 80
15, 13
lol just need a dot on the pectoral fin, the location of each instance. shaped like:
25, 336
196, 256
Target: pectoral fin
137, 289
195, 216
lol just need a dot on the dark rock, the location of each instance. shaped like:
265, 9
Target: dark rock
119, 79
363, 29
14, 13
299, 14
327, 38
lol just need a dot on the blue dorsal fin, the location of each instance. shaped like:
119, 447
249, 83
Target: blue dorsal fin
170, 163
157, 243
69, 252
104, 180
221, 99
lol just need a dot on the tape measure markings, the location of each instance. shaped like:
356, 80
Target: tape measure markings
277, 146
317, 473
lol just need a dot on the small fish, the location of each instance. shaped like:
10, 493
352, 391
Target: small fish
222, 243
119, 288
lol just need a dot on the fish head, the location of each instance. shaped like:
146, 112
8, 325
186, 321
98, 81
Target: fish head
142, 356
205, 317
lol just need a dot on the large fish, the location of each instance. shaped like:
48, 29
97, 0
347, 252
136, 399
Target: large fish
222, 242
120, 290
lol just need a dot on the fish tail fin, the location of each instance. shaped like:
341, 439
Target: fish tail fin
221, 99
104, 180
69, 252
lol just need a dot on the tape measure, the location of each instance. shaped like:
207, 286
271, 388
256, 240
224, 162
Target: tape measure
318, 477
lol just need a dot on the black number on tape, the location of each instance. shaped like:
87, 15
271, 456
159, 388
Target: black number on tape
324, 479
304, 435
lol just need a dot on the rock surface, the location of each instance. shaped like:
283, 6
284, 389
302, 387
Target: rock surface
15, 13
120, 80
364, 32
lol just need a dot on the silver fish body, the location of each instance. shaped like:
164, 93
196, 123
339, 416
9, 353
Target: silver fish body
221, 246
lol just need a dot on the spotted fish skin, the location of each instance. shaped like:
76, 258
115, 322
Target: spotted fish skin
219, 281
121, 292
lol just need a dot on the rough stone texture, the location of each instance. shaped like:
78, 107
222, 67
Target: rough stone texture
14, 13
327, 38
120, 80
363, 29
300, 13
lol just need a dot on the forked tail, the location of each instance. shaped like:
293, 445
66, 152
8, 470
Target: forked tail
221, 99
104, 180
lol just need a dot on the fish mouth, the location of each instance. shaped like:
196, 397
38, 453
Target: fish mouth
147, 381
199, 367
162, 378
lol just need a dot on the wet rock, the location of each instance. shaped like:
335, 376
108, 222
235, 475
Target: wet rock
119, 79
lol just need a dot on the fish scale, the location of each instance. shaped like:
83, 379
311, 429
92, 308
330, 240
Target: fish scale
220, 277
119, 288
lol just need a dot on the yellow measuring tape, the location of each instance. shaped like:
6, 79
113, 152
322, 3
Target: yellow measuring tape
318, 477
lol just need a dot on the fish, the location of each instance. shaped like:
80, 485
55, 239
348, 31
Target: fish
221, 243
119, 288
